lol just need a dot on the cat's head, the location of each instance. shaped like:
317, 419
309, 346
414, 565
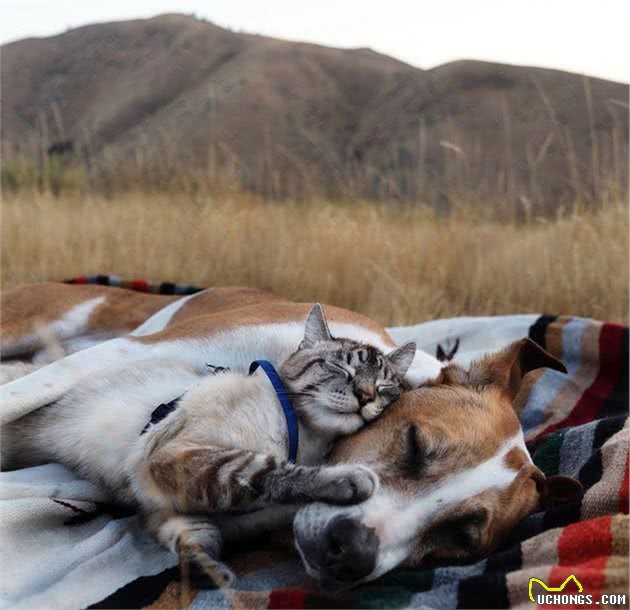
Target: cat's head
337, 375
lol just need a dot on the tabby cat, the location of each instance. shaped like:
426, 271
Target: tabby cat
220, 442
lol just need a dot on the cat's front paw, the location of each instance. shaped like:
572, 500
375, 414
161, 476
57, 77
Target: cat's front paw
347, 485
348, 423
371, 412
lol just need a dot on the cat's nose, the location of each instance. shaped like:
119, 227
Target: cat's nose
364, 394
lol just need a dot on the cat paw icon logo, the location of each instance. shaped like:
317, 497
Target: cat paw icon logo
559, 589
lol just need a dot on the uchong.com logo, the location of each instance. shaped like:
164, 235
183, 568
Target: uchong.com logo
556, 596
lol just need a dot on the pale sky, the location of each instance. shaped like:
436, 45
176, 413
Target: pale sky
585, 36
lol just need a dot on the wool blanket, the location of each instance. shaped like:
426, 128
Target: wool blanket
62, 546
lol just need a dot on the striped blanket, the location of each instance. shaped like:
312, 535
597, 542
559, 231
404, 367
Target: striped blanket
575, 425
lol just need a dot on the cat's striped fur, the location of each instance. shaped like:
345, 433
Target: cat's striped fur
225, 446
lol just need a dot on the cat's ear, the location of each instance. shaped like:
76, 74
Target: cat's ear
400, 359
316, 328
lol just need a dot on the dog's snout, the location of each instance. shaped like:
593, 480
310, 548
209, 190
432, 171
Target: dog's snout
364, 395
350, 550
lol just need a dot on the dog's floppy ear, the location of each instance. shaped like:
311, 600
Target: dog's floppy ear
316, 328
558, 490
508, 367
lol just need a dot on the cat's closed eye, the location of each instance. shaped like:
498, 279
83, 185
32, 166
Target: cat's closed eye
338, 370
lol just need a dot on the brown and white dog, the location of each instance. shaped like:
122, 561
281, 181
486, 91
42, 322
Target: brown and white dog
455, 475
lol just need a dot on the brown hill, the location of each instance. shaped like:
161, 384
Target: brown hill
173, 95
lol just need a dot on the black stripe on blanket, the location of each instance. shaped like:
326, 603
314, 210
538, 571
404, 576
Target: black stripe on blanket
592, 471
617, 401
140, 592
167, 288
509, 560
483, 591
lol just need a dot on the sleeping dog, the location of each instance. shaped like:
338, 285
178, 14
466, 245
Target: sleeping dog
454, 473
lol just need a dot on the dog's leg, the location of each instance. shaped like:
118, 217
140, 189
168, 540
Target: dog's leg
38, 318
48, 384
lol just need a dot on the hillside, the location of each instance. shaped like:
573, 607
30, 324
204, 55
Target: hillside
174, 94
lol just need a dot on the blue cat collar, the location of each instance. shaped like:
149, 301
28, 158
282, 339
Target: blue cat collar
285, 402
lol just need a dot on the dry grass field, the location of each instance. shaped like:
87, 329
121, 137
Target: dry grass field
399, 264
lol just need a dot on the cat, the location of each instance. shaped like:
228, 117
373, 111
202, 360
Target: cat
221, 442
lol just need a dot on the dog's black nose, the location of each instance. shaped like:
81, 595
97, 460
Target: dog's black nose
351, 550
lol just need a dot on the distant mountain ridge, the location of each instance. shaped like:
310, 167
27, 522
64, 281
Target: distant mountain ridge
288, 118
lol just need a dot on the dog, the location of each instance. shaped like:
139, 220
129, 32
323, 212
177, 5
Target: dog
454, 474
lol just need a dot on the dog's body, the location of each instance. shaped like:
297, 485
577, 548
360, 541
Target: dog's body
450, 455
227, 326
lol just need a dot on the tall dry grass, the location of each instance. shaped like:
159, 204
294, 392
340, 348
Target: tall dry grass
553, 162
398, 264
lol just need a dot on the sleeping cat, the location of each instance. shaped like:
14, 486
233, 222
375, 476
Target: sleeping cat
220, 442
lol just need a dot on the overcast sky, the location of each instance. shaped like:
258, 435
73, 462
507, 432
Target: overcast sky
585, 36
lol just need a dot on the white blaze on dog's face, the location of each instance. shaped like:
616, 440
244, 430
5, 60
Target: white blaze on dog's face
455, 476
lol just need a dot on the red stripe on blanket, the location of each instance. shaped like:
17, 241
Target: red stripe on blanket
287, 598
140, 285
623, 492
80, 280
591, 402
583, 550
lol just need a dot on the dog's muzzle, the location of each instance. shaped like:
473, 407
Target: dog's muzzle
349, 550
340, 554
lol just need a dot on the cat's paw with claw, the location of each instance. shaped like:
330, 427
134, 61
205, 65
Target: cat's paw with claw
346, 484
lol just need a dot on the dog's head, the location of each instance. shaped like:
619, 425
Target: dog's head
455, 476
